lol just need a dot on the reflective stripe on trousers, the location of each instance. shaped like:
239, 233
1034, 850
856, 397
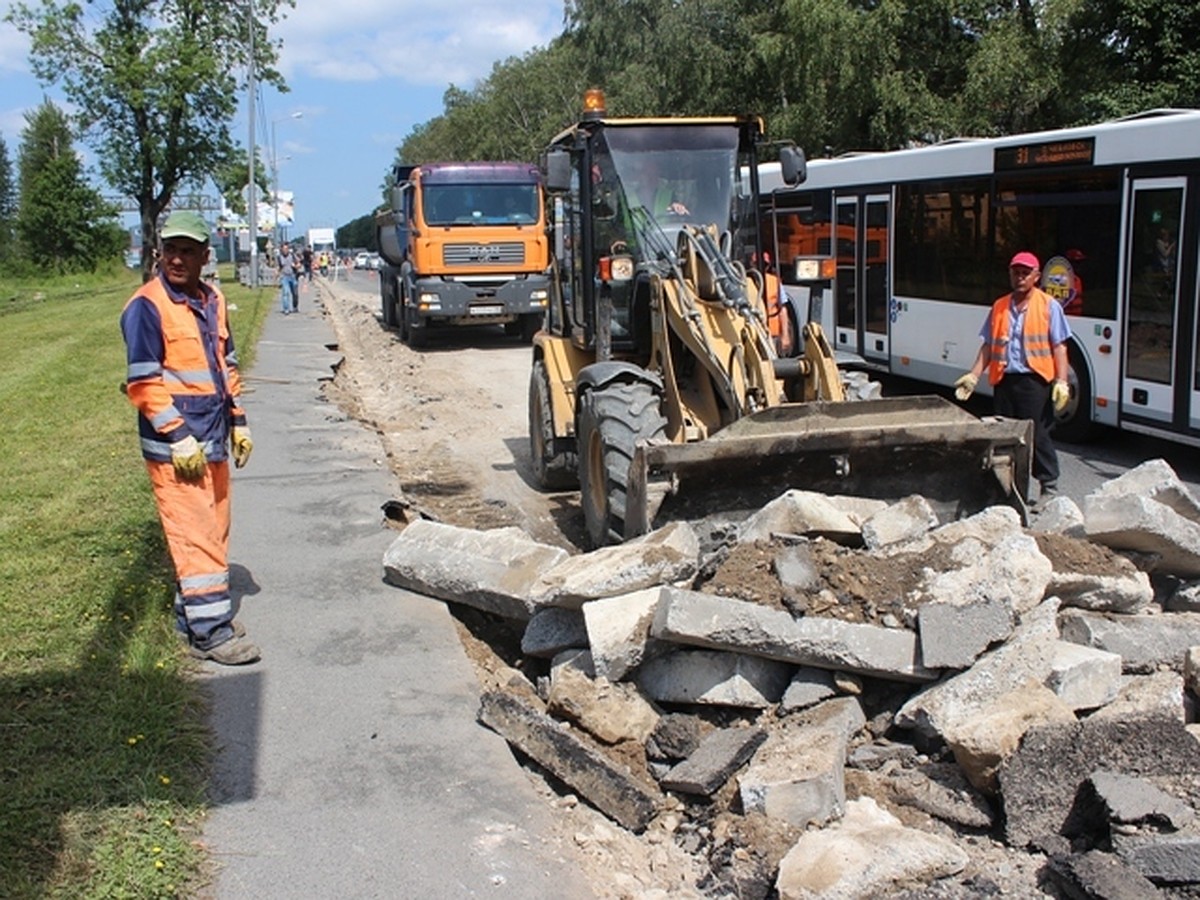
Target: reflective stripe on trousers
195, 519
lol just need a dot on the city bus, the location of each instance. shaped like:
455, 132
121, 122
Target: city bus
898, 255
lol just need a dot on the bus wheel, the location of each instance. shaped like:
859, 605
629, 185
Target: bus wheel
1074, 424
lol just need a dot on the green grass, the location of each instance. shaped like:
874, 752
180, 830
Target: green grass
103, 742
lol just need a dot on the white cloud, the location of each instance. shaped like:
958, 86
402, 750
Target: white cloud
409, 42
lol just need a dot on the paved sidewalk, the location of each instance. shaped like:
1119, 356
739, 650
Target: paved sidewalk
351, 764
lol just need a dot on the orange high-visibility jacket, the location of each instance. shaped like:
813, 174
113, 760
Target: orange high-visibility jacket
1038, 352
182, 369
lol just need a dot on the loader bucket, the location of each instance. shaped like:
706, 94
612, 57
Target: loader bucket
885, 449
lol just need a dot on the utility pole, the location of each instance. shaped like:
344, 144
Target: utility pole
251, 198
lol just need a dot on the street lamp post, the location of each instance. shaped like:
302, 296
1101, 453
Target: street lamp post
275, 173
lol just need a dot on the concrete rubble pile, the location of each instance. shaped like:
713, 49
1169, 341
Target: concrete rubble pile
880, 694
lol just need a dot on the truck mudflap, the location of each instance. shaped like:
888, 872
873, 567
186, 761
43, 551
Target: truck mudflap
886, 449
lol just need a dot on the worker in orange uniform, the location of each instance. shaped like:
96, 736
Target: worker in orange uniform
779, 321
1024, 349
183, 379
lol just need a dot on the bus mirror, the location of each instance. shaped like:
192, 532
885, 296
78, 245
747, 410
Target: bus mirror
558, 171
793, 166
397, 197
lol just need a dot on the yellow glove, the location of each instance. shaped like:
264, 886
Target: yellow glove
242, 445
1059, 395
189, 459
965, 386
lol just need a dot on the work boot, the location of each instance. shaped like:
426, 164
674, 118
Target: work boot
237, 651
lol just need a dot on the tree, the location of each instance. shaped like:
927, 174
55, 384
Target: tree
64, 224
154, 84
8, 204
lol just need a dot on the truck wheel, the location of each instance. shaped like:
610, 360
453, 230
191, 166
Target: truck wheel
530, 325
1074, 424
387, 290
552, 471
611, 421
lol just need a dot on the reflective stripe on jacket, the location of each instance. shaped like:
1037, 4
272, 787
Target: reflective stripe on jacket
1039, 356
182, 369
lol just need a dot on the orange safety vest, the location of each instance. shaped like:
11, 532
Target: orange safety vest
774, 319
1036, 336
189, 384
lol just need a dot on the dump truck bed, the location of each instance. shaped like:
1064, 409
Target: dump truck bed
886, 449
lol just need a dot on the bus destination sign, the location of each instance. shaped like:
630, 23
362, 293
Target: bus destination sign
1051, 153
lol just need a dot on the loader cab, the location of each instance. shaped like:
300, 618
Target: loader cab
621, 190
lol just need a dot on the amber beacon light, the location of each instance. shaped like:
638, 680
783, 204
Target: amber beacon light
593, 103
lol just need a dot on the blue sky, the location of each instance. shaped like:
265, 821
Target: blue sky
362, 74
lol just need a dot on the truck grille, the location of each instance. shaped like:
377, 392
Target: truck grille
483, 254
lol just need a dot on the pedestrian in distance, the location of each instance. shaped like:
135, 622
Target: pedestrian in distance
306, 258
182, 378
1024, 351
289, 284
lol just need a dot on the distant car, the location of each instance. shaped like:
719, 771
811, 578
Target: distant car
362, 260
373, 261
133, 258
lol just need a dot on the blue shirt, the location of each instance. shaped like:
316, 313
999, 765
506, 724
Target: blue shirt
1017, 362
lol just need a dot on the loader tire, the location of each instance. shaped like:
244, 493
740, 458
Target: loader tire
552, 470
611, 421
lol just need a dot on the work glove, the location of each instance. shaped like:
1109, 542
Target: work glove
188, 458
242, 445
1059, 395
965, 386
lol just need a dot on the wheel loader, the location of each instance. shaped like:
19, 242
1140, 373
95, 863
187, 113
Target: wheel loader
655, 385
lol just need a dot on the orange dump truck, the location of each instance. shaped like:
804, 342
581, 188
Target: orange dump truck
464, 244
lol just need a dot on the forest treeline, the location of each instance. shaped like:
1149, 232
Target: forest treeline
832, 75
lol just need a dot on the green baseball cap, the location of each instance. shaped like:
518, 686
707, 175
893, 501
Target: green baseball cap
183, 223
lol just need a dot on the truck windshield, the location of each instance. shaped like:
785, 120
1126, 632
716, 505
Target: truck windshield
481, 204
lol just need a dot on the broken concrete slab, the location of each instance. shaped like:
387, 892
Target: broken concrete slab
864, 855
720, 754
798, 775
901, 521
1084, 677
1185, 598
609, 787
808, 687
611, 712
937, 789
491, 570
1061, 515
691, 617
1042, 780
1159, 694
801, 513
714, 678
954, 633
1128, 593
1163, 858
1026, 656
618, 630
982, 742
1134, 522
676, 736
552, 630
1133, 801
1100, 876
1155, 480
1012, 571
1145, 643
664, 556
988, 527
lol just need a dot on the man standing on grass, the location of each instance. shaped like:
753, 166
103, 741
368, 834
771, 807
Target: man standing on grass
183, 378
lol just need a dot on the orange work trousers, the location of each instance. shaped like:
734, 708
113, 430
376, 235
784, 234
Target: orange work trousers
195, 519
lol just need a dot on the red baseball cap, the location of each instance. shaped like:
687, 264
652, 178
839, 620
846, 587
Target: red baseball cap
1026, 259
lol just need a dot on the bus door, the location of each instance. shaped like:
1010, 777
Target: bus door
863, 284
1154, 349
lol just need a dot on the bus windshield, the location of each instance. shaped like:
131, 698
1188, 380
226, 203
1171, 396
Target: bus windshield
481, 204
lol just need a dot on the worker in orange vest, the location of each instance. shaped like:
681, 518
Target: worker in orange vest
183, 379
1025, 353
779, 321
